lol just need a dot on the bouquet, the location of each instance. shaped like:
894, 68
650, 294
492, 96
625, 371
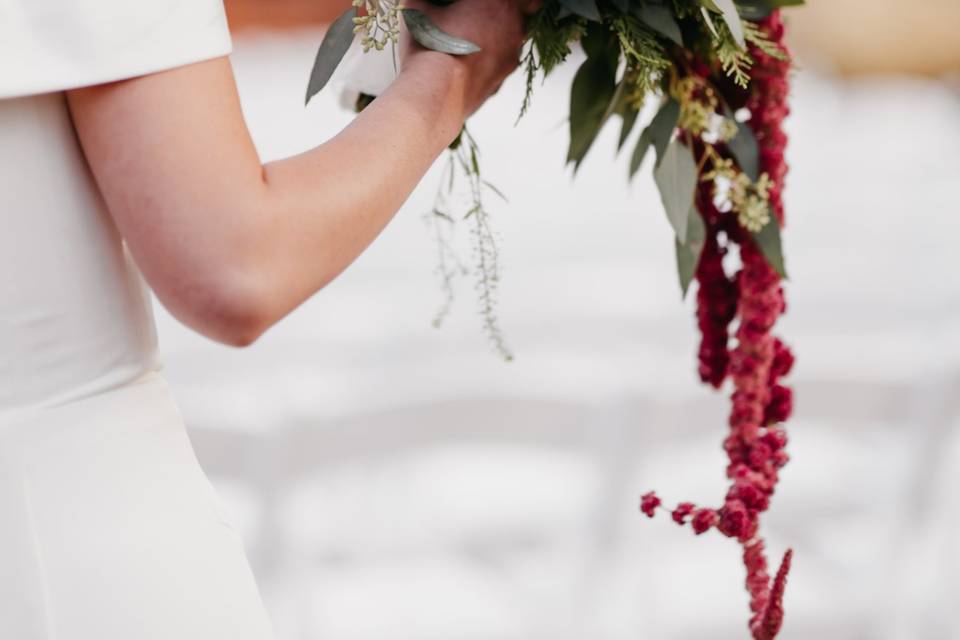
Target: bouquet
718, 70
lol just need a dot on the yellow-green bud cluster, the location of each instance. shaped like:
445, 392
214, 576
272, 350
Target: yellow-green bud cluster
728, 130
698, 110
751, 201
380, 24
698, 104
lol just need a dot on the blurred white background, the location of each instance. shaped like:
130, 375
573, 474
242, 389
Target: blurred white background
394, 481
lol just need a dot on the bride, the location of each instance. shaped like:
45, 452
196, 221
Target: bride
123, 151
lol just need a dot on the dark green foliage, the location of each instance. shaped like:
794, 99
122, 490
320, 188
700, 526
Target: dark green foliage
637, 47
688, 253
633, 48
743, 147
768, 239
593, 91
642, 41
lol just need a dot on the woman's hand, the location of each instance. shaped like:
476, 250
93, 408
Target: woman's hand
496, 26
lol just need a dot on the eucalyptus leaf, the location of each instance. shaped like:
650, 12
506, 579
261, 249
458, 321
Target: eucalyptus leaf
744, 148
657, 134
755, 10
759, 9
599, 42
676, 177
662, 126
593, 89
768, 240
430, 36
335, 44
729, 12
689, 252
706, 18
629, 121
661, 19
640, 152
621, 105
583, 8
617, 102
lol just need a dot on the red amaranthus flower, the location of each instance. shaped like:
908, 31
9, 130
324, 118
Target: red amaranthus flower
758, 362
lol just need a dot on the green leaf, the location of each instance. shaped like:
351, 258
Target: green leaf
729, 12
599, 42
768, 240
709, 21
493, 187
744, 148
593, 89
474, 161
335, 43
640, 151
759, 9
689, 252
456, 145
583, 8
430, 36
617, 102
364, 100
657, 134
662, 126
629, 120
661, 19
676, 177
620, 105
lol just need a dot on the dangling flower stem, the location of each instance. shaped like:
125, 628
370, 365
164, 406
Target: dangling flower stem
758, 361
464, 159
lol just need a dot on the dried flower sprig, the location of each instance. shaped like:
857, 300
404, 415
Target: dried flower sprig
378, 23
464, 160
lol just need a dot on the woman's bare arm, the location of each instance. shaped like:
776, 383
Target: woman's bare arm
231, 246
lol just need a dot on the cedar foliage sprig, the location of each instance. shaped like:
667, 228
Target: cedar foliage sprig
464, 161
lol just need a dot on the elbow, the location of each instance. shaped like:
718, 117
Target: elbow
240, 333
237, 319
229, 308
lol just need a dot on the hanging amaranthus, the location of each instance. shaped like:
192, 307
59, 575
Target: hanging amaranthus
758, 361
719, 70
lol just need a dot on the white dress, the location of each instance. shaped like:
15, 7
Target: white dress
109, 529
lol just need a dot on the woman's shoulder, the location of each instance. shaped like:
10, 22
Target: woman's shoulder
51, 45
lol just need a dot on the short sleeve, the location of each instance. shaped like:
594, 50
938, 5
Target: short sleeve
54, 45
